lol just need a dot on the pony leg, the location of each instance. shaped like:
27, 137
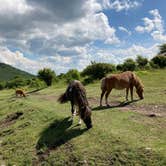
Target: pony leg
131, 92
72, 110
106, 97
127, 92
79, 122
102, 94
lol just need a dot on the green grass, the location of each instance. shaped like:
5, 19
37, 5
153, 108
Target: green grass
44, 134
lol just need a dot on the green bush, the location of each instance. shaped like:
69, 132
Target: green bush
37, 83
159, 60
119, 67
129, 65
47, 75
16, 82
141, 61
2, 85
72, 74
98, 70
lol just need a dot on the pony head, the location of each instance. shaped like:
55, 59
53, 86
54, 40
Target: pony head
140, 92
86, 116
139, 87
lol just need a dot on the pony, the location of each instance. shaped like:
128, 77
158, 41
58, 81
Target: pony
121, 81
20, 92
76, 94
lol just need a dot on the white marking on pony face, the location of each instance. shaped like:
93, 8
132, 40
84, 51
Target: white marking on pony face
70, 89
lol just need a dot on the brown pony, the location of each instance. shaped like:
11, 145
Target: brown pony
121, 81
76, 94
20, 92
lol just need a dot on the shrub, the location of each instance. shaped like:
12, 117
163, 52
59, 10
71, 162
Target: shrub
159, 60
47, 75
129, 64
98, 70
16, 82
37, 83
119, 67
141, 61
72, 74
2, 85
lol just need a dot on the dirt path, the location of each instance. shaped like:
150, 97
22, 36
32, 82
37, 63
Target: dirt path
146, 109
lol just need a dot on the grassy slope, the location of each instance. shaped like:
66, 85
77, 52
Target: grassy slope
45, 135
8, 72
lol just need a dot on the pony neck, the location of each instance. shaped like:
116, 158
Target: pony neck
138, 84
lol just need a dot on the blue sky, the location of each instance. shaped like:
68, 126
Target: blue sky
62, 34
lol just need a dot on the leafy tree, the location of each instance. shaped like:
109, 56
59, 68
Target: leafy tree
47, 75
141, 61
162, 49
129, 64
72, 74
16, 82
159, 60
98, 70
119, 67
37, 83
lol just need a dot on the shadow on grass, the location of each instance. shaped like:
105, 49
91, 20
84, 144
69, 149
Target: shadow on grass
58, 133
36, 90
122, 104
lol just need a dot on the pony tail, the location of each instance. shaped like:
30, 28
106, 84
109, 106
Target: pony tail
62, 98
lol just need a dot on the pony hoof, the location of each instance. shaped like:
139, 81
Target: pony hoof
108, 105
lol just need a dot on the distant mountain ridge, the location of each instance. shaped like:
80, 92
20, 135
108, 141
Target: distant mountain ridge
8, 72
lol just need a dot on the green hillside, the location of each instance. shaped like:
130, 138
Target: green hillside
8, 72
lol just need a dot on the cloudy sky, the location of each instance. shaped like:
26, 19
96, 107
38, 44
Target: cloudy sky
66, 34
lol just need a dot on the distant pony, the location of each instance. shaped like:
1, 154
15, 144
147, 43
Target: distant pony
20, 92
121, 81
76, 94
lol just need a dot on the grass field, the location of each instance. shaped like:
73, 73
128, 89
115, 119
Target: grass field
37, 130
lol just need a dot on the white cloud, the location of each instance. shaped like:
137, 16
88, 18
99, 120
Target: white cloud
14, 6
121, 28
117, 56
154, 26
119, 5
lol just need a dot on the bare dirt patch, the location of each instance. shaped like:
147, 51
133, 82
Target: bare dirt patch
151, 110
49, 97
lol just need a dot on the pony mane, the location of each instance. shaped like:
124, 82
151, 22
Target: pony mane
81, 93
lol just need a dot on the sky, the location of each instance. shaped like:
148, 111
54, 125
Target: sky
69, 34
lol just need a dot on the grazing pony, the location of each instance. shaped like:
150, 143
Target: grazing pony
121, 81
20, 92
76, 94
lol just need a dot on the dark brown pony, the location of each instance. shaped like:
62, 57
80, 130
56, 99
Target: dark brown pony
120, 81
76, 94
20, 92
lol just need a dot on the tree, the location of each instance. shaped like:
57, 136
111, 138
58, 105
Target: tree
119, 67
47, 75
72, 74
98, 70
162, 49
141, 61
159, 60
129, 64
